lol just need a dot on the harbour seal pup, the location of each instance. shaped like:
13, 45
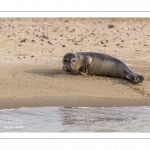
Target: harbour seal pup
92, 63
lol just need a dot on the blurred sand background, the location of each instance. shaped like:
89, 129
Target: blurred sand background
31, 61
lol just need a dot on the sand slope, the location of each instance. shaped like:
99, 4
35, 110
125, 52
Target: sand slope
31, 68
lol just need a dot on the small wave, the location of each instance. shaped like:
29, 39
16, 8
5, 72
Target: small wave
22, 108
8, 109
146, 108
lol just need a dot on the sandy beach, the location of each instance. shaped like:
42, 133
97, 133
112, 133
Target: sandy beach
31, 61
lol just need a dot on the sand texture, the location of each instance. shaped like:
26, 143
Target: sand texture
31, 61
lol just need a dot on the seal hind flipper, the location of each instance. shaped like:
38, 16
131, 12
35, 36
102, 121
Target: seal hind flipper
134, 77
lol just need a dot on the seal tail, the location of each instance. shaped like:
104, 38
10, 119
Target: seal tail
133, 77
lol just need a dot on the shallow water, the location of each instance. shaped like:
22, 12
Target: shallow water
76, 119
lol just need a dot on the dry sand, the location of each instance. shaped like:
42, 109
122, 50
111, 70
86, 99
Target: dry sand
31, 61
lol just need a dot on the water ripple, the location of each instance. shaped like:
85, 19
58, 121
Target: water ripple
75, 119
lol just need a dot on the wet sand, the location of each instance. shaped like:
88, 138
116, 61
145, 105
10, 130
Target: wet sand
31, 61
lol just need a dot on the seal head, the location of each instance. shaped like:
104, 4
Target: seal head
70, 62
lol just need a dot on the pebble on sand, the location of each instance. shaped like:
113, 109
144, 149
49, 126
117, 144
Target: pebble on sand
24, 40
49, 42
110, 26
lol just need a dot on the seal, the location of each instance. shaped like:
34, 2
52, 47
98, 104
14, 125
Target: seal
99, 64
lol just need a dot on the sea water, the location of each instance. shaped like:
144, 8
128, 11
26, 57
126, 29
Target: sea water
76, 119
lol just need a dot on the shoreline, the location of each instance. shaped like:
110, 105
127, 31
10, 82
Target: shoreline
77, 101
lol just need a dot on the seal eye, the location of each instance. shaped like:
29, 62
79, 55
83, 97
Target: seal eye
65, 60
73, 60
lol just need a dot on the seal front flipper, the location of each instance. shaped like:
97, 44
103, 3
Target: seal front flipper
134, 77
83, 73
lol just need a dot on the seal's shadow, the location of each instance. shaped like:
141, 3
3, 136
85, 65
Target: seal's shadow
47, 72
60, 72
